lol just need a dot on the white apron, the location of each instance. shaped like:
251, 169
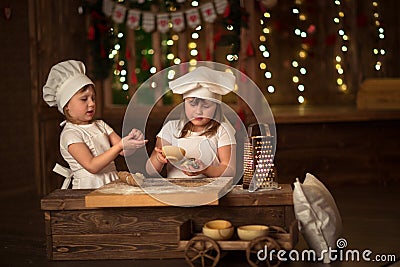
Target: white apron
82, 179
197, 147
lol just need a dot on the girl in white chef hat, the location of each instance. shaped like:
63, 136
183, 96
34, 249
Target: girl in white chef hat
203, 131
89, 146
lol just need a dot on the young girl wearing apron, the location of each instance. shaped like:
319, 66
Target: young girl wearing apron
89, 146
203, 131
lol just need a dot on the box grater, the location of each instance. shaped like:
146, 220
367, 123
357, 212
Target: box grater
258, 161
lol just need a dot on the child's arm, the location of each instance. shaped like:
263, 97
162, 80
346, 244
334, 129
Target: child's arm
83, 155
156, 161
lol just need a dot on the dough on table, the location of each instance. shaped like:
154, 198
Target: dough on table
135, 179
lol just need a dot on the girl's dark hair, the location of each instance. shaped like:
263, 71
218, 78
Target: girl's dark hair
211, 127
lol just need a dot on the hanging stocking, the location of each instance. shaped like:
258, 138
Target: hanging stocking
220, 5
107, 7
148, 23
178, 21
133, 19
208, 12
193, 18
162, 23
119, 13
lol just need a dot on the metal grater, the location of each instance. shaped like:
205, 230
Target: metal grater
259, 169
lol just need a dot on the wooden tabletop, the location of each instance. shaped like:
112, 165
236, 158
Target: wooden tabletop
74, 199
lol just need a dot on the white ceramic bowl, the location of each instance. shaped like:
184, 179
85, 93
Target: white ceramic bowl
218, 229
173, 153
250, 232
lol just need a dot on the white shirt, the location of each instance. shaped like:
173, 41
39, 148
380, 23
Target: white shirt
96, 137
196, 146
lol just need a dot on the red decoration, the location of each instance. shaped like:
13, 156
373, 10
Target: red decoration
145, 64
311, 29
91, 33
250, 49
243, 76
227, 11
241, 115
128, 54
134, 79
208, 54
217, 37
198, 57
118, 67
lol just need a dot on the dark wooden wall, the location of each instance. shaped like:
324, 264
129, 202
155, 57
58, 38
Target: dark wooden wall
57, 33
339, 153
16, 146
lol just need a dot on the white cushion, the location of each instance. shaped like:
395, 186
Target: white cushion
318, 216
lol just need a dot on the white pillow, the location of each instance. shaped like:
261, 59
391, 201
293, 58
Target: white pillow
318, 216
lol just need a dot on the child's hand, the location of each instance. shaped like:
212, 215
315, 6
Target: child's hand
133, 141
195, 168
160, 157
136, 134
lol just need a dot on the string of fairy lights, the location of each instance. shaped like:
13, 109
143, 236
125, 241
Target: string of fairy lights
301, 54
265, 53
342, 49
378, 51
170, 49
120, 72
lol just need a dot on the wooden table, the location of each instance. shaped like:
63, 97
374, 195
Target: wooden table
77, 232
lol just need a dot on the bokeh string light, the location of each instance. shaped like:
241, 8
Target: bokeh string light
263, 48
193, 45
301, 54
378, 51
341, 51
120, 72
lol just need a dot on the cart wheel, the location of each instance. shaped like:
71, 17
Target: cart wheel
277, 229
202, 251
261, 243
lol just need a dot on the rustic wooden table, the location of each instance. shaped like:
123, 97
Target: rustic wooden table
77, 232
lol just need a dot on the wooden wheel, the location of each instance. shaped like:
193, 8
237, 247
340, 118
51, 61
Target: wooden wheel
277, 229
202, 251
265, 244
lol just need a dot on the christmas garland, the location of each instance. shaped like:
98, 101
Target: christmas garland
105, 15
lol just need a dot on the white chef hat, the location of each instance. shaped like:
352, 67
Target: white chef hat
204, 83
65, 79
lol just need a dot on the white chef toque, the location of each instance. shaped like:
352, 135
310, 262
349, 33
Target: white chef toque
204, 83
65, 79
